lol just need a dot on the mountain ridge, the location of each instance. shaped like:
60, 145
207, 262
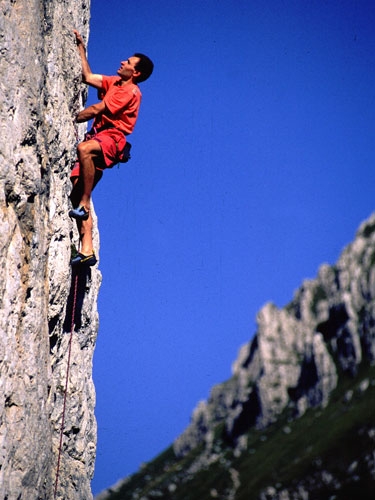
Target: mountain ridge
300, 357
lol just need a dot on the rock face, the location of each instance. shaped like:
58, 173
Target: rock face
298, 352
40, 92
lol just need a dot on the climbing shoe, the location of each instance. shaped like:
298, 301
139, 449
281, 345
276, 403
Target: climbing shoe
83, 260
79, 213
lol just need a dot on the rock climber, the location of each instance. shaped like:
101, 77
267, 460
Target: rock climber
114, 117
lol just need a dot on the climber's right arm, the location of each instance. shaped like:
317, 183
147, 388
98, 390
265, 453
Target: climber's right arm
88, 76
91, 112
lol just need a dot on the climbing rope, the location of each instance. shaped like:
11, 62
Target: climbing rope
66, 383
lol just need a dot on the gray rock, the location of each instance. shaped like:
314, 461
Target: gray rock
292, 361
40, 92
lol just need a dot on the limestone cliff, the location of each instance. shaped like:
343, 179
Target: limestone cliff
40, 92
298, 351
296, 419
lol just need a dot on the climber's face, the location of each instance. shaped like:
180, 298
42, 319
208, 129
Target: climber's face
127, 69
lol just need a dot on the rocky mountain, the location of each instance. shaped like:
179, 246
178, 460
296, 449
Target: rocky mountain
296, 419
40, 92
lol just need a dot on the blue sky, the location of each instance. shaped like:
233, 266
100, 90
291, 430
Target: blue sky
252, 164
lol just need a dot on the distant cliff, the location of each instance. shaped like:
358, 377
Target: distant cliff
296, 419
40, 92
298, 352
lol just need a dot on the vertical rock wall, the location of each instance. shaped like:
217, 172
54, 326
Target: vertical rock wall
40, 92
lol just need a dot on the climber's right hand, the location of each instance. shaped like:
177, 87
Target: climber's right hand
79, 39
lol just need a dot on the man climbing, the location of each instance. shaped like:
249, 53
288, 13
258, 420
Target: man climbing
114, 119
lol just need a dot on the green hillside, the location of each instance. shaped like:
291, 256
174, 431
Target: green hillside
329, 453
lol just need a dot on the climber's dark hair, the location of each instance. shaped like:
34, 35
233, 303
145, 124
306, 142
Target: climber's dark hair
145, 66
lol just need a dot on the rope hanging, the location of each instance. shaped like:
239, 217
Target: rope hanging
66, 384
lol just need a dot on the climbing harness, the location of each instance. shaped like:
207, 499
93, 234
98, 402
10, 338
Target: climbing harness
75, 287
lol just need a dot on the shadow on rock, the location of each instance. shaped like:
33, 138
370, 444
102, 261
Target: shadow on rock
78, 287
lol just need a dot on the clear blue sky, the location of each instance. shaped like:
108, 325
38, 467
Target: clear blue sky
253, 163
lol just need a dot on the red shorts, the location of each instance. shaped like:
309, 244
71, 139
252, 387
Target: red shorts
112, 143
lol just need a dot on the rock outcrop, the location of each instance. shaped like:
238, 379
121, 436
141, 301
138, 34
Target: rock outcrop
40, 92
296, 419
295, 358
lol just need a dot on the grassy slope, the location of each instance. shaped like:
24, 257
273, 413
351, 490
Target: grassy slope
330, 439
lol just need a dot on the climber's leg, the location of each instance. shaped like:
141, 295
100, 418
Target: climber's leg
89, 153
